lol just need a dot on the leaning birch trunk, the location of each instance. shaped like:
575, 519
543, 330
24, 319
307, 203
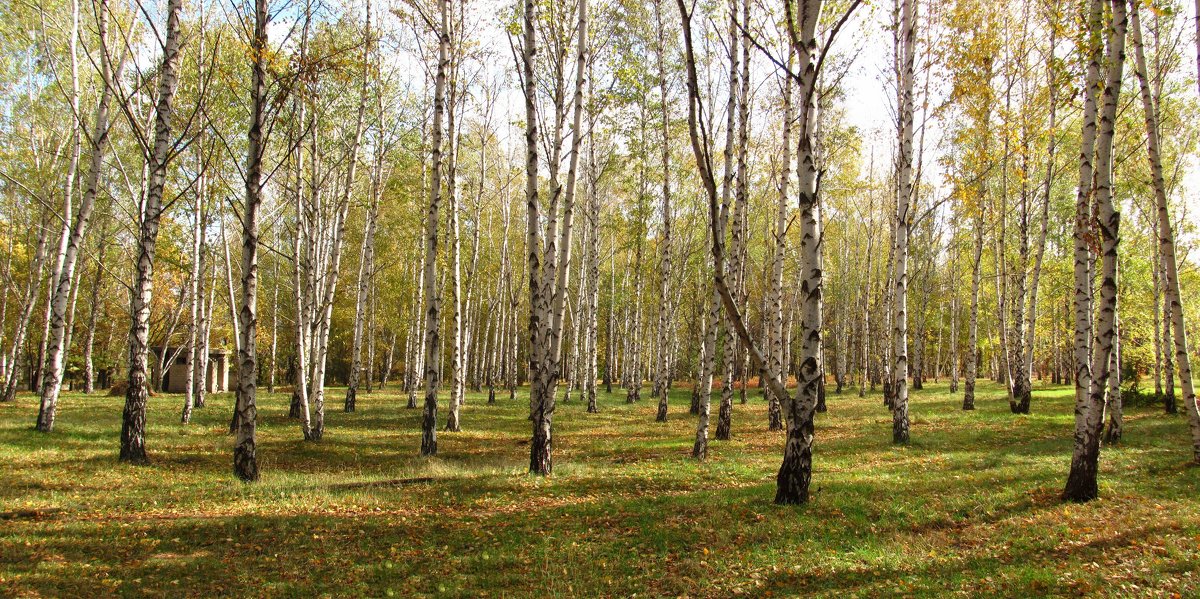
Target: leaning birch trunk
796, 470
1166, 240
433, 341
1092, 378
229, 289
904, 200
63, 287
245, 460
133, 419
56, 303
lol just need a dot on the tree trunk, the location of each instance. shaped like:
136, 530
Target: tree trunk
662, 382
133, 421
94, 307
433, 341
63, 287
1166, 241
197, 304
1092, 379
366, 270
245, 460
774, 315
904, 200
732, 107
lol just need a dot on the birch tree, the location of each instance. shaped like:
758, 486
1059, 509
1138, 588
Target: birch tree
433, 342
1165, 231
158, 150
1092, 364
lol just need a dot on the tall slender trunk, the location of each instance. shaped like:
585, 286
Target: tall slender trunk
591, 354
273, 365
1155, 269
662, 377
556, 268
904, 200
729, 353
133, 420
1026, 370
94, 308
433, 341
51, 350
196, 301
366, 263
774, 316
245, 460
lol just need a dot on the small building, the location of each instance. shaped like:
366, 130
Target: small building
175, 378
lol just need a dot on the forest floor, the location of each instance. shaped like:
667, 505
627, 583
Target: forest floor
970, 507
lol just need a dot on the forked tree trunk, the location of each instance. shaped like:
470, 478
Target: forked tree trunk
549, 274
795, 473
1092, 378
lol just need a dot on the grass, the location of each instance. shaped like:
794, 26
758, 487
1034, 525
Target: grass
970, 507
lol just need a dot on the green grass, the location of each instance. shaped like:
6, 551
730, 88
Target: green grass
970, 507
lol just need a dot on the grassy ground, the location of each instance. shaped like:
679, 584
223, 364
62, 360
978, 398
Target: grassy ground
970, 507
